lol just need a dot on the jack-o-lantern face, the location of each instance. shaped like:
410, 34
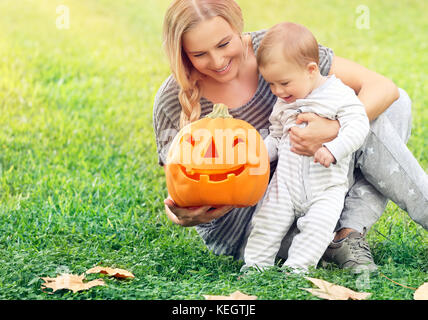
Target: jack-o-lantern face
217, 161
212, 153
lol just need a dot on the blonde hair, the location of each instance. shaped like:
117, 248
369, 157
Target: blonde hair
181, 16
297, 43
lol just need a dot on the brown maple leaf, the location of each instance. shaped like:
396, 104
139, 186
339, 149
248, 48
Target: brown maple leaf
329, 291
237, 295
114, 272
421, 293
71, 282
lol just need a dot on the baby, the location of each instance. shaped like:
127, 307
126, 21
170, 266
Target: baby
309, 189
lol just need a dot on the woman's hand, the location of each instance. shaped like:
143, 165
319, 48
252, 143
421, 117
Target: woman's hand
306, 141
192, 216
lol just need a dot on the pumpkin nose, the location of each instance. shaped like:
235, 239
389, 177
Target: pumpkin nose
211, 151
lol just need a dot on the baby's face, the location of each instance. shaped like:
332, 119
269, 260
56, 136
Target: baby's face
287, 80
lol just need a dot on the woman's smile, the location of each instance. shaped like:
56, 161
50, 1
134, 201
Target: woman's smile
225, 69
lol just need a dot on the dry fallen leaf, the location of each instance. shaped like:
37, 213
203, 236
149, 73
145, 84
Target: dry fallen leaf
421, 293
117, 273
331, 291
237, 295
71, 282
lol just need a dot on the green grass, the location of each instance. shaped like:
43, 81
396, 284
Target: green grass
79, 180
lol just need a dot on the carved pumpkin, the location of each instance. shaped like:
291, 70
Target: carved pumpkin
217, 160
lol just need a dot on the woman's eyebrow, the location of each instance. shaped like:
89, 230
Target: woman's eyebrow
218, 43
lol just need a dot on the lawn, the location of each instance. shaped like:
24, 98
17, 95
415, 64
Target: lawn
79, 180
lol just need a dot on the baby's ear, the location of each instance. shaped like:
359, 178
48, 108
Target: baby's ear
312, 67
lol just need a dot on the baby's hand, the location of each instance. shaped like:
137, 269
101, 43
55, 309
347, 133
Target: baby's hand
324, 156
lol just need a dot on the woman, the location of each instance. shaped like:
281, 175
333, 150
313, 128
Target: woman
212, 61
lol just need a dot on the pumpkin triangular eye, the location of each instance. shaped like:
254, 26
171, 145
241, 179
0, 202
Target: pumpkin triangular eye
190, 140
236, 141
211, 151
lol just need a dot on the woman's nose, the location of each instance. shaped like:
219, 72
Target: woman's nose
217, 61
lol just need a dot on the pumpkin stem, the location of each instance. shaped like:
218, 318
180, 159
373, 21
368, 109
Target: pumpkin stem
220, 110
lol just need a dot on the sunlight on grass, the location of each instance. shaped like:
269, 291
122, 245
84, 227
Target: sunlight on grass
79, 180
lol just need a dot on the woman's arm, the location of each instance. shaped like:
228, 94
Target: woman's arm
375, 91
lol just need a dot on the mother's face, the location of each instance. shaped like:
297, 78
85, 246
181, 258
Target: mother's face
214, 49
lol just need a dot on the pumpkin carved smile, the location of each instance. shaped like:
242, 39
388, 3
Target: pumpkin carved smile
212, 175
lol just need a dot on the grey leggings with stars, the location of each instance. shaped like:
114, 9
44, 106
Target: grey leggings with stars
396, 176
385, 170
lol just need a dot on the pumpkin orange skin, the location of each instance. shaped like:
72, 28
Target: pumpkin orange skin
237, 183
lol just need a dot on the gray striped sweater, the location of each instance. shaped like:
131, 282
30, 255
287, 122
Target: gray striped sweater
225, 235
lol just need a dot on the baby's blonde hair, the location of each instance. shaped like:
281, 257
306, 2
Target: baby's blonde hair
298, 44
182, 16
